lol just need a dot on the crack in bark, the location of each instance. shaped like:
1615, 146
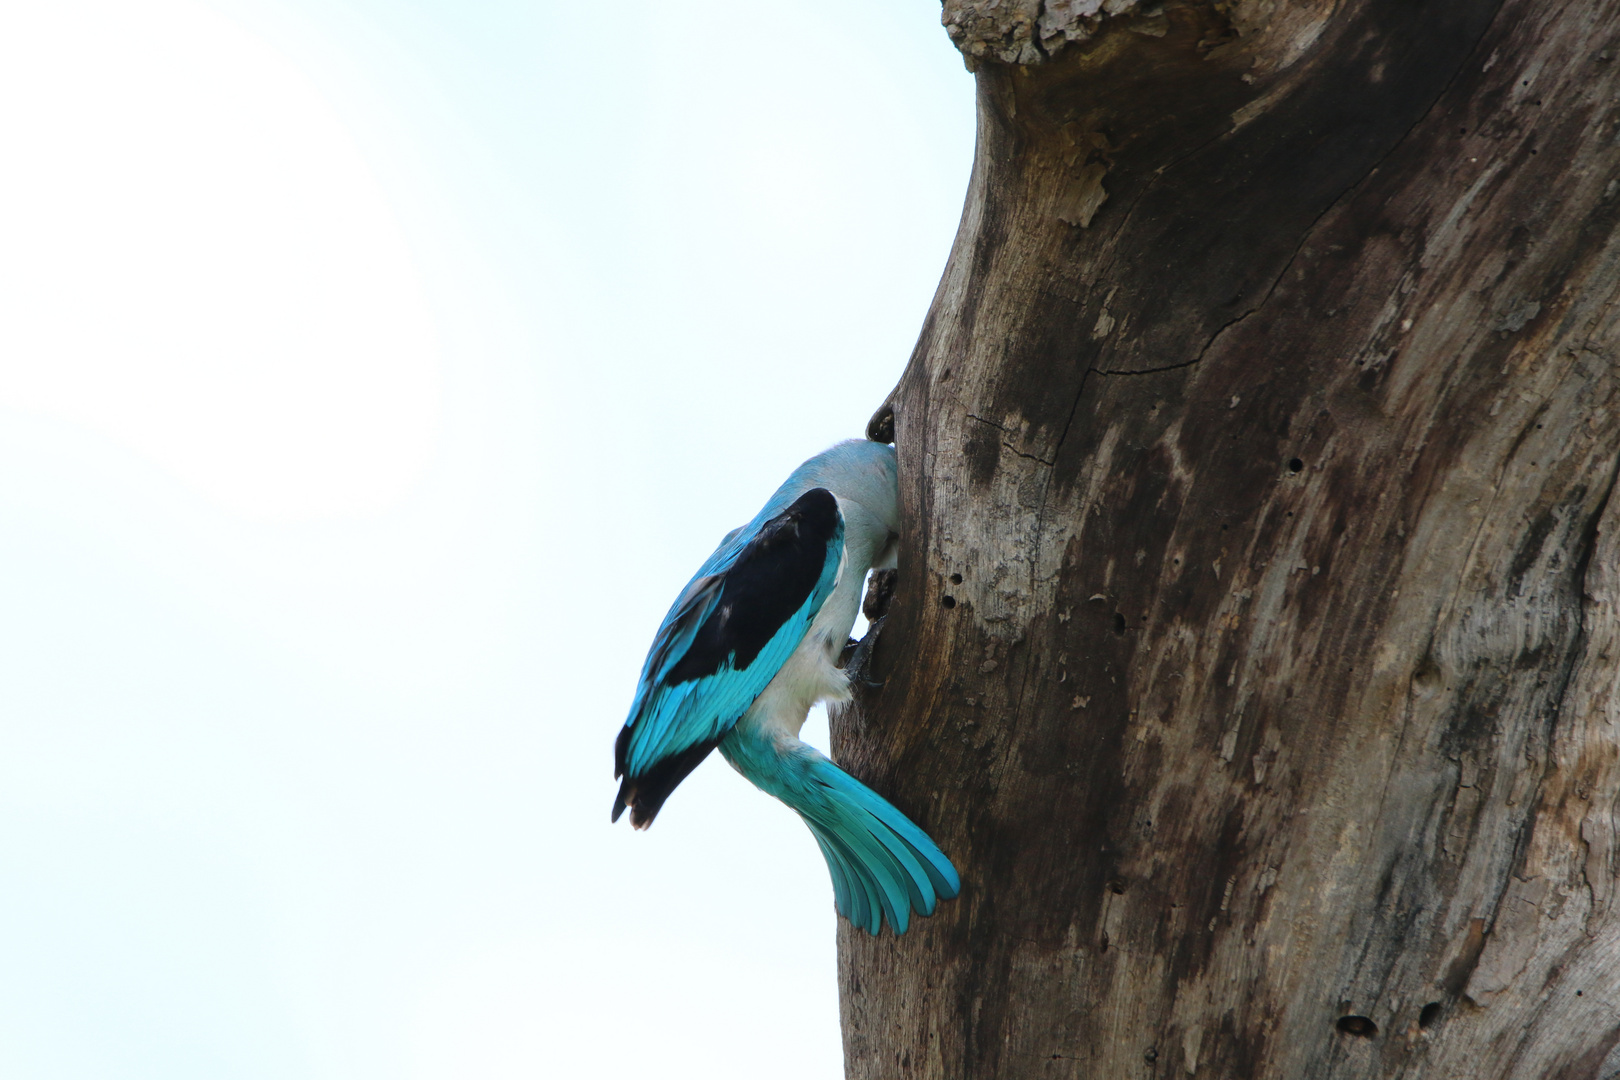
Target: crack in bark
1035, 31
992, 423
1009, 445
1080, 392
1175, 367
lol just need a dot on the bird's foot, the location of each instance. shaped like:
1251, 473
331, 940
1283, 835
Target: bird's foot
858, 657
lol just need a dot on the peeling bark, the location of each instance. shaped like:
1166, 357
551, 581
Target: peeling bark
1256, 645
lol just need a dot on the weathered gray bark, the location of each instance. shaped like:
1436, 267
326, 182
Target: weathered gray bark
1255, 649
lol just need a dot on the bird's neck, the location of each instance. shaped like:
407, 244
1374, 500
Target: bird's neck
865, 537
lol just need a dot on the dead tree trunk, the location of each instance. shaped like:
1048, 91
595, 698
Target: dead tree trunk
1256, 643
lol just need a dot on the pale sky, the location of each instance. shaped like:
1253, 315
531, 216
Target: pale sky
373, 373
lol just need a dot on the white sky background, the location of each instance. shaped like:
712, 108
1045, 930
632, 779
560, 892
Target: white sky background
372, 375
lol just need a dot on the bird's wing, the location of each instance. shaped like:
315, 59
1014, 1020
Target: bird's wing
728, 634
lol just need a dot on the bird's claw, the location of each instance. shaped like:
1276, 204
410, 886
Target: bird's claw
859, 657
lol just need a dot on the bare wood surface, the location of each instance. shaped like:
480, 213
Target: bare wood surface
1255, 645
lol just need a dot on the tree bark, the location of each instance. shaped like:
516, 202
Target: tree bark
1255, 646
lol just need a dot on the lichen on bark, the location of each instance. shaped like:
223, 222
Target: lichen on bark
1025, 31
1029, 32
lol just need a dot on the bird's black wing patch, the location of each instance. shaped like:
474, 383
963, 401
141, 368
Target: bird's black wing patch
771, 579
645, 794
698, 599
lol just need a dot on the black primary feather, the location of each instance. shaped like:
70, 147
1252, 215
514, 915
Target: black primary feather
645, 794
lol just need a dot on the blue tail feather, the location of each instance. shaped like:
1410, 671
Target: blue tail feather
843, 898
865, 905
883, 866
913, 844
878, 879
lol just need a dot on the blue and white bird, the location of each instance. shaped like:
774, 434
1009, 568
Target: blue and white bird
751, 644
